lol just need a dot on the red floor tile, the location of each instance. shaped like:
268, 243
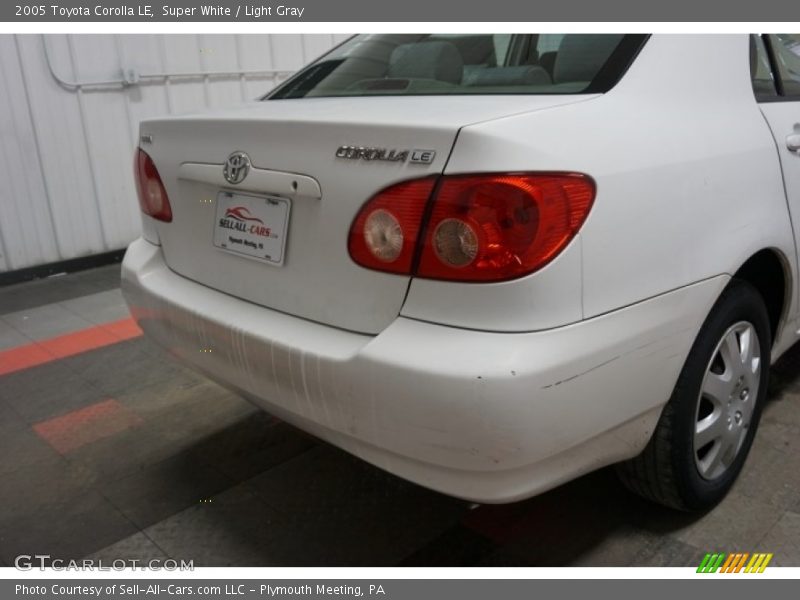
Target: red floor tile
86, 425
23, 357
69, 344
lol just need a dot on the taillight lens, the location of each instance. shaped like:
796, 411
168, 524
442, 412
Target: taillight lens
384, 234
153, 198
496, 227
479, 228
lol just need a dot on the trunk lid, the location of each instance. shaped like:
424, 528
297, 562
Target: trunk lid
292, 147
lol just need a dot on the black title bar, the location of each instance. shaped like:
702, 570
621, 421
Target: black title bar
407, 10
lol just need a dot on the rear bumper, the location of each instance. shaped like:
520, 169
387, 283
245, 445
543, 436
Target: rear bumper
489, 417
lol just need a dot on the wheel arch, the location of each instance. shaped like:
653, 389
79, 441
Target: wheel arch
769, 271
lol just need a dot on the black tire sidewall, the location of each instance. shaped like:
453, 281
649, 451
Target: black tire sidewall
739, 302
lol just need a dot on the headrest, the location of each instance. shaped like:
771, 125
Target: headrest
523, 75
426, 60
474, 49
580, 56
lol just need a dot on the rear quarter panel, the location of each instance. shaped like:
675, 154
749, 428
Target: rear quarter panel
689, 186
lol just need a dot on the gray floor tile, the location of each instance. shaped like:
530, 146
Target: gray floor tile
783, 409
202, 412
770, 474
456, 547
159, 491
28, 295
34, 381
217, 426
93, 363
783, 540
737, 522
555, 542
784, 437
102, 278
252, 445
22, 451
48, 391
99, 308
124, 454
10, 337
619, 549
349, 509
327, 480
153, 402
46, 321
9, 418
235, 528
149, 402
136, 547
669, 552
80, 526
122, 367
47, 487
50, 508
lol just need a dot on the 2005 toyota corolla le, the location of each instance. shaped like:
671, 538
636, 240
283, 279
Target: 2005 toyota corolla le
492, 263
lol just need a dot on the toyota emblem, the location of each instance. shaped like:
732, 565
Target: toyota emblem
236, 167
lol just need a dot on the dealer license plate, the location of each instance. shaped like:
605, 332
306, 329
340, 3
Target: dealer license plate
252, 226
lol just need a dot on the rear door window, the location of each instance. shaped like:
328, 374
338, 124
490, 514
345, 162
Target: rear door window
786, 48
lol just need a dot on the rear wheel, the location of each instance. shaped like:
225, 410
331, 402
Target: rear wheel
706, 429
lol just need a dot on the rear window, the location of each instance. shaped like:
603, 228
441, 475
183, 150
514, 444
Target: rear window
417, 64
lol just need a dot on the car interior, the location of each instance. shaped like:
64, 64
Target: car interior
460, 64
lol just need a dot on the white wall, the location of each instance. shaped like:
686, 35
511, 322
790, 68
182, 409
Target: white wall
66, 148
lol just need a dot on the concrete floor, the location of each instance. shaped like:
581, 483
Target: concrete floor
108, 449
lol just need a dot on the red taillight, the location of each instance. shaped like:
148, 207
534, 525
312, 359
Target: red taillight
496, 227
491, 227
384, 234
152, 196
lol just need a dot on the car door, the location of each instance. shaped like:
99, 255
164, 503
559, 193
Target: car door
775, 71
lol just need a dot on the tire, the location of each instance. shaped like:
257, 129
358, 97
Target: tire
680, 468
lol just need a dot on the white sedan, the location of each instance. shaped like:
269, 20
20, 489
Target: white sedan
492, 263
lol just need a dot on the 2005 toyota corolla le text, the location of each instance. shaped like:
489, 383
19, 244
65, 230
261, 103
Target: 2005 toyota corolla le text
591, 260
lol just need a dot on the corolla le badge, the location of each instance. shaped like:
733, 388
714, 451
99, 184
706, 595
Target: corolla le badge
369, 153
236, 167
